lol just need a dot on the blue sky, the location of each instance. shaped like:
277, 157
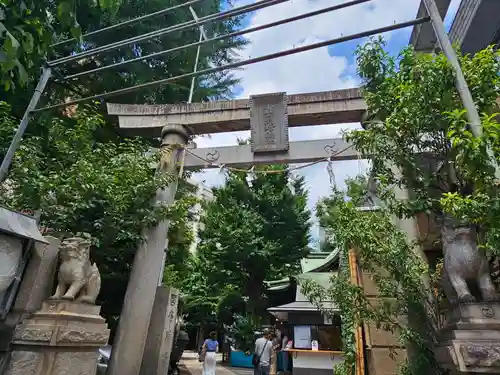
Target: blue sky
319, 70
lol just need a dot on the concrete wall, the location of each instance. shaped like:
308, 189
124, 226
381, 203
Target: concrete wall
315, 362
476, 24
380, 344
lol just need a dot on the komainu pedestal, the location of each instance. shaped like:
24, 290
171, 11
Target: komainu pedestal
470, 341
62, 338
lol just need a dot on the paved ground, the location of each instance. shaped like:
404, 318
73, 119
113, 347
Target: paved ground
190, 366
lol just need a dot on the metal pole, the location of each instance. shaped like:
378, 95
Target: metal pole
195, 69
14, 145
461, 83
203, 36
202, 28
238, 64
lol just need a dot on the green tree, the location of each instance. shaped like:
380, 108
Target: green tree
77, 183
380, 245
254, 232
78, 171
420, 128
418, 139
169, 65
200, 297
28, 28
32, 26
180, 237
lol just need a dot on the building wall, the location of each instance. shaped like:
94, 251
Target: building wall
203, 193
476, 25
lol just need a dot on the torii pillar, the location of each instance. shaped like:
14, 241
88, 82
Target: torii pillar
132, 332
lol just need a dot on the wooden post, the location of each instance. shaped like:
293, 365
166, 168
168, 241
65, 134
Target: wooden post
360, 353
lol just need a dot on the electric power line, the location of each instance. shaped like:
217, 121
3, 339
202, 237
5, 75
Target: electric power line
221, 37
128, 23
237, 64
157, 33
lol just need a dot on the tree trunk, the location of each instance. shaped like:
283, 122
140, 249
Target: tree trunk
255, 305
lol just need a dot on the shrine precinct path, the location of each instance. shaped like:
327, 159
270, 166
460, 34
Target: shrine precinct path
189, 365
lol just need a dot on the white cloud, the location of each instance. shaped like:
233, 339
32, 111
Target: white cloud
310, 71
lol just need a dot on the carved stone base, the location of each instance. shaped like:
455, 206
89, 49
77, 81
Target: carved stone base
470, 341
62, 338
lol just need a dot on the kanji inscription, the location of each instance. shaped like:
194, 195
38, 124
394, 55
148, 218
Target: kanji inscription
269, 122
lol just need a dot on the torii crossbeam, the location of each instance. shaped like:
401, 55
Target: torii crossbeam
268, 117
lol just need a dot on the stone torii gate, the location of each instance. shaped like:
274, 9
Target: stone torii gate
269, 114
268, 117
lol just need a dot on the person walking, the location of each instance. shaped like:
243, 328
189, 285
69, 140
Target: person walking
262, 354
210, 348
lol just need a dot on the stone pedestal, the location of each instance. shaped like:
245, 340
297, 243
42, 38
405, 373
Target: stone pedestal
470, 341
61, 338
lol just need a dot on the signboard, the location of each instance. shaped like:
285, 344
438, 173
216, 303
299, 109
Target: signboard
302, 337
269, 122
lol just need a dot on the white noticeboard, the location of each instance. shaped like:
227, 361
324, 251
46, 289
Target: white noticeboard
302, 337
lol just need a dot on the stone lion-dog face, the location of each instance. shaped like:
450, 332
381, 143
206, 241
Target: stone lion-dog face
74, 248
77, 277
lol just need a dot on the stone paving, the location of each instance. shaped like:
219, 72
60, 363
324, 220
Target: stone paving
190, 366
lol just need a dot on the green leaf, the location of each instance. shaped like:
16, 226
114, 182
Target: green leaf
64, 12
23, 75
11, 43
76, 31
29, 43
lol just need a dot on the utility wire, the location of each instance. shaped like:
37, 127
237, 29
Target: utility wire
243, 62
157, 33
129, 22
221, 37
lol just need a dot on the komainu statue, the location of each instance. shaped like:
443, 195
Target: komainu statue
77, 277
464, 266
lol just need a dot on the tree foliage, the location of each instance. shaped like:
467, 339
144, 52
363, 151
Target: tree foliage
418, 139
380, 245
421, 128
30, 28
77, 183
180, 237
254, 232
74, 167
242, 333
231, 305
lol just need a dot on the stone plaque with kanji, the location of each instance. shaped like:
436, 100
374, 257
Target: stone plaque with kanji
269, 122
